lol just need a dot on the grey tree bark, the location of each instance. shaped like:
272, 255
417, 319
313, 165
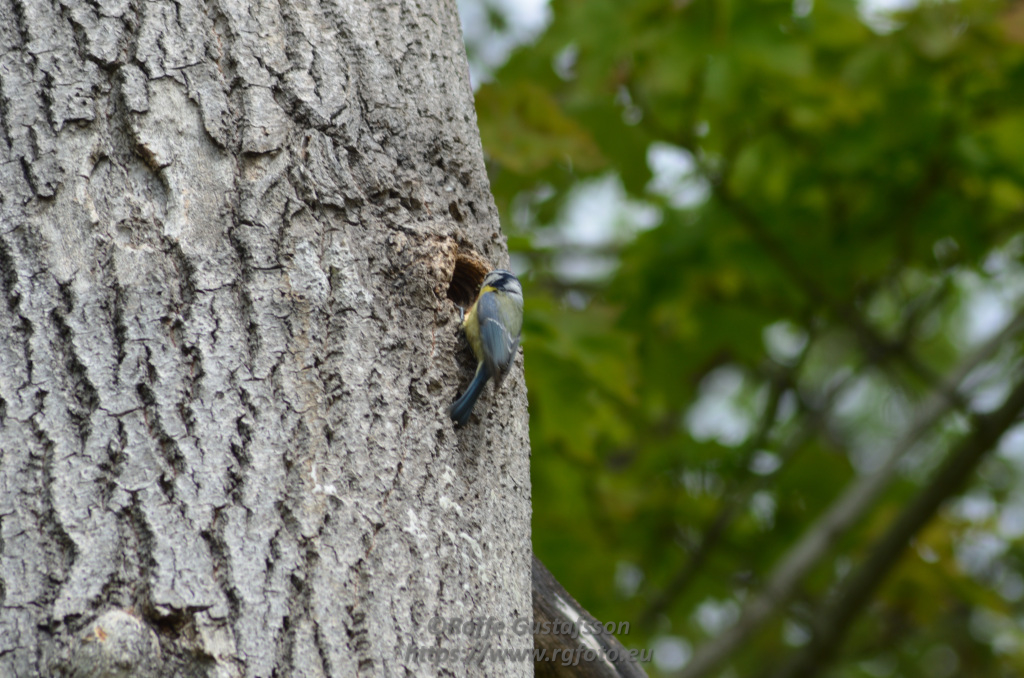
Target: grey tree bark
230, 237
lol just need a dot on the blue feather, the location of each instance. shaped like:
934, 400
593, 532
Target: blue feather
499, 347
460, 410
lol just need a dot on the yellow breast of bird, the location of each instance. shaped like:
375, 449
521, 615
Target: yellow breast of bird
471, 325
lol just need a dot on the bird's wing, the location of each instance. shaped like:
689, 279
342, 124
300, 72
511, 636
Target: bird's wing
499, 345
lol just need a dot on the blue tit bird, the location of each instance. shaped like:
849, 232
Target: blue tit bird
492, 326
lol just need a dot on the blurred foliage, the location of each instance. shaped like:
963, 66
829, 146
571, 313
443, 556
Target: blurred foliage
837, 207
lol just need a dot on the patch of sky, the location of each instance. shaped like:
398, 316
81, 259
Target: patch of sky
784, 341
795, 634
977, 551
873, 414
1010, 584
628, 578
492, 29
1011, 446
878, 15
715, 616
975, 507
597, 217
719, 412
765, 463
1000, 631
990, 298
675, 176
671, 653
762, 507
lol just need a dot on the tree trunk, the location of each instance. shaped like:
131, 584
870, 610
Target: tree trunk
230, 238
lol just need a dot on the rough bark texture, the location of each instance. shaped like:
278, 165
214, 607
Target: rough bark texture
566, 630
227, 233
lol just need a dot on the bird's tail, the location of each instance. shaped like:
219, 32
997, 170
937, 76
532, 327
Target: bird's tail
460, 410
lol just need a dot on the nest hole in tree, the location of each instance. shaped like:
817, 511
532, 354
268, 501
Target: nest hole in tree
470, 269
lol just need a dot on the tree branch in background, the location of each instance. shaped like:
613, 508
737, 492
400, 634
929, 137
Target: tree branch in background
856, 591
841, 516
739, 499
554, 607
877, 348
